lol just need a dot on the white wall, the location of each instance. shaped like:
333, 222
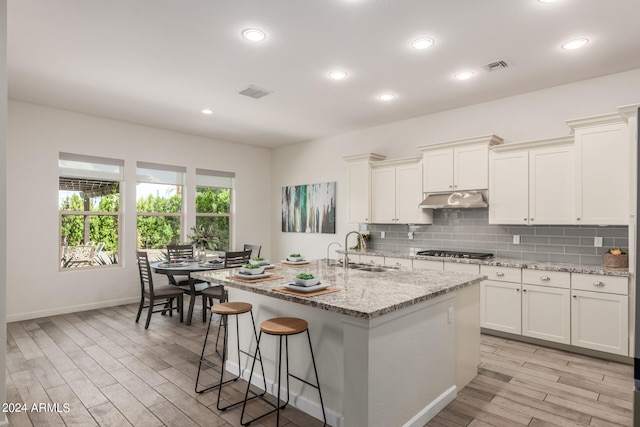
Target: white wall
520, 118
37, 134
3, 206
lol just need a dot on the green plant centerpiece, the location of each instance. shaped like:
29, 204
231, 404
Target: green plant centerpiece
258, 261
295, 257
306, 279
204, 237
252, 269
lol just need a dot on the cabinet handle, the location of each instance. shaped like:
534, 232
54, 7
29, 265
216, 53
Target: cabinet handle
578, 219
499, 274
451, 186
545, 278
598, 283
532, 219
517, 290
575, 296
524, 290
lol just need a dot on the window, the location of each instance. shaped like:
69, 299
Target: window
159, 193
213, 206
89, 209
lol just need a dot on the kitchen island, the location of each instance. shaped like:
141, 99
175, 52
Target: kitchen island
392, 347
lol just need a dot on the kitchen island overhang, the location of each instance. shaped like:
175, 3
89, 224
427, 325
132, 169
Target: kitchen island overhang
392, 347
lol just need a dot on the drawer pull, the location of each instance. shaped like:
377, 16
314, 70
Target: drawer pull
545, 278
499, 273
598, 283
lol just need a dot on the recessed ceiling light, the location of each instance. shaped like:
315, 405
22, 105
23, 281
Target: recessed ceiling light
464, 75
207, 111
254, 34
422, 43
575, 43
386, 97
338, 74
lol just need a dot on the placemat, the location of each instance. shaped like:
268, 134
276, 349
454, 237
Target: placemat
329, 290
264, 279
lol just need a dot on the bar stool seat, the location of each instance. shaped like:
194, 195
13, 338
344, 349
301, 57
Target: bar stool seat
226, 309
282, 327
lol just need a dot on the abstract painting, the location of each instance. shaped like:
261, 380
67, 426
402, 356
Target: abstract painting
309, 208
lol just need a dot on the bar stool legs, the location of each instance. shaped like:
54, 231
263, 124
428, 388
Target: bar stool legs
282, 327
224, 310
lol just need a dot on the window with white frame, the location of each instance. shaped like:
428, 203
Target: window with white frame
214, 191
159, 192
89, 210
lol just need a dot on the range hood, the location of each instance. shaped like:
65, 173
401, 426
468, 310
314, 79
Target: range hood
455, 200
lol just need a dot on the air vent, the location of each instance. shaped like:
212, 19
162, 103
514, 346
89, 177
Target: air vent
496, 65
254, 92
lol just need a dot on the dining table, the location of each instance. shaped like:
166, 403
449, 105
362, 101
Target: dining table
185, 267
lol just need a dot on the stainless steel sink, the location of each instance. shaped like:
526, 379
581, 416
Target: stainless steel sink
375, 269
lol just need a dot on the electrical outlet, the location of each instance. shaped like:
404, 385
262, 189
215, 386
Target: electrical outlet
410, 234
516, 239
382, 234
597, 242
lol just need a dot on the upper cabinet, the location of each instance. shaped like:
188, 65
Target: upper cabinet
532, 183
396, 192
457, 165
359, 186
602, 165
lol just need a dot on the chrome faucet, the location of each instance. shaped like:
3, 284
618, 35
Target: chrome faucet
361, 242
328, 247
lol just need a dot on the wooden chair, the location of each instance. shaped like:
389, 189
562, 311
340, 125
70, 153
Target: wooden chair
255, 250
157, 295
236, 259
180, 252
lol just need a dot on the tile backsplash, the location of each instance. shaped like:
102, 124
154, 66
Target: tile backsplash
469, 229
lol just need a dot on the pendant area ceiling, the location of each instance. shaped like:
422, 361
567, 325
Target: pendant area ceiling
160, 62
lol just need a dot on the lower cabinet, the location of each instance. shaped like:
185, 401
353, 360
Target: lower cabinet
500, 306
599, 321
546, 313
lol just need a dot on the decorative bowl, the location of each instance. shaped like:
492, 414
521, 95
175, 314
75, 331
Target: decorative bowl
259, 262
308, 282
259, 270
295, 258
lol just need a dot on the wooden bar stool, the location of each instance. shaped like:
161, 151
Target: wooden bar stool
282, 327
225, 310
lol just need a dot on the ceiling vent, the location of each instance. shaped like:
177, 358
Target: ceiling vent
254, 92
496, 65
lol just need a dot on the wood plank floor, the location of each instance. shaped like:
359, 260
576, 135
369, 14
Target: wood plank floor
113, 372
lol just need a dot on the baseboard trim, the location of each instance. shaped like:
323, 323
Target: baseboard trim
433, 408
71, 309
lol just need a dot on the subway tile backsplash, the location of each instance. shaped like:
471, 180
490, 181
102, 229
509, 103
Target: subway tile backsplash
469, 229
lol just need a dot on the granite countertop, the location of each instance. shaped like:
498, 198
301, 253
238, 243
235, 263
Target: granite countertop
362, 294
507, 262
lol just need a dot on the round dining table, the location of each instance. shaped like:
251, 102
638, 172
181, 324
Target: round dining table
184, 268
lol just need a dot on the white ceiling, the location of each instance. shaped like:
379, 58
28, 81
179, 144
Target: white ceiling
159, 62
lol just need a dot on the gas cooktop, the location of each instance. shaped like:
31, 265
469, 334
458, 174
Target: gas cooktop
455, 254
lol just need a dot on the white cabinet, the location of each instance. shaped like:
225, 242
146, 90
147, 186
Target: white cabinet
546, 306
599, 321
500, 300
600, 313
396, 192
602, 170
427, 264
532, 183
359, 186
457, 165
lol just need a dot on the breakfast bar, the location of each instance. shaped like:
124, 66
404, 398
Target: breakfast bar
392, 345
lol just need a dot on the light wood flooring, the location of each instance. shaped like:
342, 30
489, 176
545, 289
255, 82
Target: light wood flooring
113, 372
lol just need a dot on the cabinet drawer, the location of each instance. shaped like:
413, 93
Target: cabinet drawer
398, 262
426, 264
461, 267
556, 279
597, 283
502, 274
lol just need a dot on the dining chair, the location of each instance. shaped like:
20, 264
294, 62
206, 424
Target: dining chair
163, 295
177, 252
255, 250
236, 259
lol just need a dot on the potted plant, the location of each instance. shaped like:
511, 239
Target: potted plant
252, 269
306, 279
204, 237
